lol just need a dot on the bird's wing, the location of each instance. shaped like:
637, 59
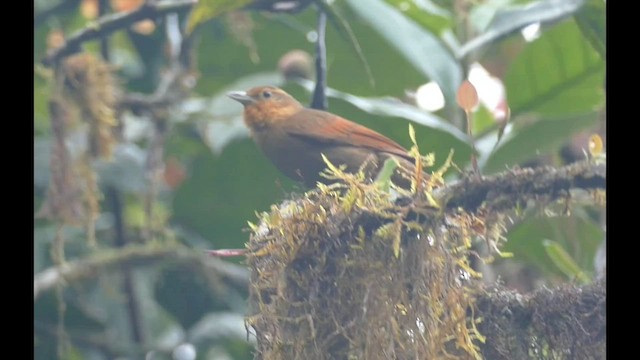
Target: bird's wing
332, 129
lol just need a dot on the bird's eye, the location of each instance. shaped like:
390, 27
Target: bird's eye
266, 94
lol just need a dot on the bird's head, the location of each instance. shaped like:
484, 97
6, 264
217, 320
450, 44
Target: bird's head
266, 105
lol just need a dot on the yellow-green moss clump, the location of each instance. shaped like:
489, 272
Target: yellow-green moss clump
349, 271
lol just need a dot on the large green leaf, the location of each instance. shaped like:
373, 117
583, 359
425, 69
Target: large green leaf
592, 21
344, 29
223, 192
578, 235
556, 75
511, 19
426, 13
420, 47
528, 142
481, 15
564, 261
200, 297
344, 70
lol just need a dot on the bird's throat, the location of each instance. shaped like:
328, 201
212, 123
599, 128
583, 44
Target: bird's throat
261, 116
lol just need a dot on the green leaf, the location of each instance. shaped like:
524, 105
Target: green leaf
421, 48
206, 10
558, 74
577, 234
482, 120
528, 142
184, 279
383, 180
222, 192
507, 21
426, 13
343, 28
564, 261
592, 21
483, 13
346, 72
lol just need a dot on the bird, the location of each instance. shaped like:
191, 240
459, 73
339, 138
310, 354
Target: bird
294, 138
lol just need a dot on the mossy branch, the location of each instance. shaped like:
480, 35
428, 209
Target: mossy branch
108, 24
132, 255
347, 271
517, 186
570, 317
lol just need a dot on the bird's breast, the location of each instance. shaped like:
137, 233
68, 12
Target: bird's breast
295, 158
302, 160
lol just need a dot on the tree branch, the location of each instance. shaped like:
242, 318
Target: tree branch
103, 7
370, 278
569, 317
520, 185
133, 255
108, 24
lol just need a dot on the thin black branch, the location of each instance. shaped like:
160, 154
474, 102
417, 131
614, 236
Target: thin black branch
173, 87
103, 8
108, 24
320, 92
134, 255
120, 241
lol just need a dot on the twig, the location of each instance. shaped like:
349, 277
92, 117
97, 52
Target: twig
227, 252
173, 87
133, 255
104, 41
113, 22
319, 93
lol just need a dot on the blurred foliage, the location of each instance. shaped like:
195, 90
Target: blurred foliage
217, 179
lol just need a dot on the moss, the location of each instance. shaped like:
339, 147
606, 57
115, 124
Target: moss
353, 271
347, 271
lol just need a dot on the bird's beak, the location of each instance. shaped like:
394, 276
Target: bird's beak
241, 97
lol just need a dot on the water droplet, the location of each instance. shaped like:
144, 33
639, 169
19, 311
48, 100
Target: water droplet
430, 239
464, 275
420, 325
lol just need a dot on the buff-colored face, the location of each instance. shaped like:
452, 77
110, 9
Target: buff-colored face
265, 104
